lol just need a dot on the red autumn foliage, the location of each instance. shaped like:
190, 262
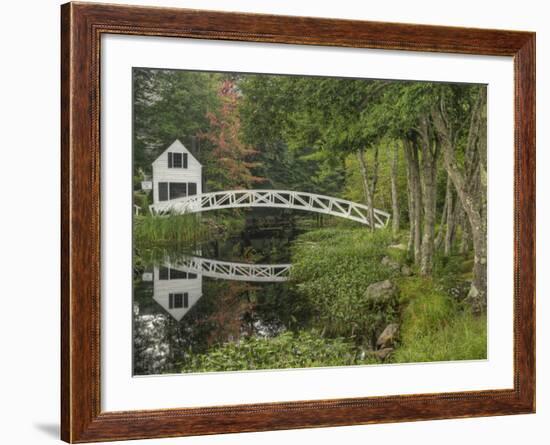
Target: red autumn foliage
233, 165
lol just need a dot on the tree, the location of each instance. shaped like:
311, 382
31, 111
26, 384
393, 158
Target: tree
430, 154
269, 110
169, 105
230, 164
396, 214
331, 116
467, 177
415, 196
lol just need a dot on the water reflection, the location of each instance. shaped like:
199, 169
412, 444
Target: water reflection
187, 302
176, 290
177, 285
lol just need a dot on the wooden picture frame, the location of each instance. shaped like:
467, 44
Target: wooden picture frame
82, 26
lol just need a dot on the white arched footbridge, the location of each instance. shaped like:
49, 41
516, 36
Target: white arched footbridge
283, 199
229, 270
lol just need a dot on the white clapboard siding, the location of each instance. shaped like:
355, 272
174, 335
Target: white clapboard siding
163, 288
161, 172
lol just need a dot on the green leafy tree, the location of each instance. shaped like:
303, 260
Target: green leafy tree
169, 105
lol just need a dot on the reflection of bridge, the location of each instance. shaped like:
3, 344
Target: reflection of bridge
177, 285
275, 199
234, 271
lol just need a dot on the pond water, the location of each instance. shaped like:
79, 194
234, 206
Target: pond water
185, 302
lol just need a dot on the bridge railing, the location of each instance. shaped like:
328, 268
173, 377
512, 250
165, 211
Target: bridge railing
234, 270
274, 199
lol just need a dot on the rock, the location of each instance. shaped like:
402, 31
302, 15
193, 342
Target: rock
473, 294
476, 299
398, 246
381, 292
406, 271
382, 354
388, 336
388, 262
460, 290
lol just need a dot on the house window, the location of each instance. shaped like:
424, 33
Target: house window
175, 301
176, 274
178, 300
167, 273
177, 160
163, 191
164, 273
173, 190
178, 190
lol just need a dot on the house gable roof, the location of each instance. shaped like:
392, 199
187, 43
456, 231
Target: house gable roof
177, 146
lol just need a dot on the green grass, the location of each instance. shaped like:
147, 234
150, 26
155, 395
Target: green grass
288, 350
434, 327
332, 269
185, 229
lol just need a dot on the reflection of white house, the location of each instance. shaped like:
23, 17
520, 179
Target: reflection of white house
176, 174
176, 290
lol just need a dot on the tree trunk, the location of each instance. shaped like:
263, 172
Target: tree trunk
451, 218
478, 289
374, 177
410, 198
442, 232
411, 151
394, 192
366, 186
429, 168
465, 239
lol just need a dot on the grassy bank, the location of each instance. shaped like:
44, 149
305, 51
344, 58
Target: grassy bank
332, 269
183, 229
339, 323
436, 327
150, 229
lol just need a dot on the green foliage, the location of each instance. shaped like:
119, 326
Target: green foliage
382, 199
292, 119
400, 256
142, 200
169, 105
302, 133
287, 350
437, 328
332, 269
452, 272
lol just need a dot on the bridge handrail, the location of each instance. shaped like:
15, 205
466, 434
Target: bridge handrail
275, 199
233, 270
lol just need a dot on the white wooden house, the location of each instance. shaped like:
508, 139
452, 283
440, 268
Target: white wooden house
176, 290
176, 174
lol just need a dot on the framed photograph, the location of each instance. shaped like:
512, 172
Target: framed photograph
274, 222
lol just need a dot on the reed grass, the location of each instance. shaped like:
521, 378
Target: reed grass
182, 229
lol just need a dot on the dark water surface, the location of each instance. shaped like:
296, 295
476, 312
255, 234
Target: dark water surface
182, 308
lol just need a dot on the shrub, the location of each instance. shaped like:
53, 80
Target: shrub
332, 270
287, 350
142, 200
